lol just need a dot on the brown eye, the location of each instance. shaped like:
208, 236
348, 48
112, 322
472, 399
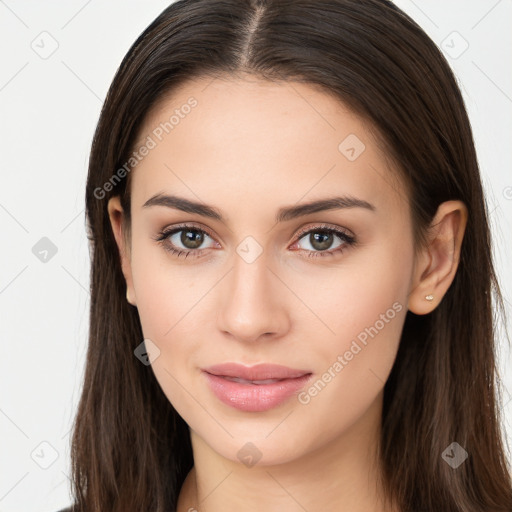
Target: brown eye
324, 241
191, 238
185, 240
321, 241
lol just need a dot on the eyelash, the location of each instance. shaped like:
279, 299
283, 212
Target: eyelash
347, 240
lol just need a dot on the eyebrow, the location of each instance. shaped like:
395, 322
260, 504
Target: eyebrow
283, 214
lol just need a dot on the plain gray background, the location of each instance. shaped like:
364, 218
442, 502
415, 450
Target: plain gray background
58, 59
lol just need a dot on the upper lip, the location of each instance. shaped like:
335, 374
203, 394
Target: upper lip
257, 372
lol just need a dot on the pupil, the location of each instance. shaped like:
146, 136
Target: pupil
321, 241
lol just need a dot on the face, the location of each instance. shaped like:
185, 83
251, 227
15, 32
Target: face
252, 276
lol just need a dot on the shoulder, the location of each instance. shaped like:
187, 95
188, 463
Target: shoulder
67, 509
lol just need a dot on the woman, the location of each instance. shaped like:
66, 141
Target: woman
292, 283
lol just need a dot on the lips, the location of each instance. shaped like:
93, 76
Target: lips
254, 388
255, 382
259, 372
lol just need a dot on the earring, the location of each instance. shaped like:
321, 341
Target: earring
429, 297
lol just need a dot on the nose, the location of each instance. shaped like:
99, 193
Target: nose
254, 302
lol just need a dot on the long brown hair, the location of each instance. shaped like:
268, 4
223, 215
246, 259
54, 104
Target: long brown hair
130, 449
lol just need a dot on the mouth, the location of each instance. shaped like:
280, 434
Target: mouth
255, 388
258, 372
254, 382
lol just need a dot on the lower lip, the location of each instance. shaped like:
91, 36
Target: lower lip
254, 397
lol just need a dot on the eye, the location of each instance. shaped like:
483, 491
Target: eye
183, 240
321, 241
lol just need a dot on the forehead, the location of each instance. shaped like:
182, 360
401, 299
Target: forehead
210, 137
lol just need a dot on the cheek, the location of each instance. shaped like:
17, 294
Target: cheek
364, 305
351, 371
166, 290
362, 298
165, 307
170, 302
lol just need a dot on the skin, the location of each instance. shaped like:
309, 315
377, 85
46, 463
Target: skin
248, 148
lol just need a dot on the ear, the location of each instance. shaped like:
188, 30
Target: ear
116, 214
437, 262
